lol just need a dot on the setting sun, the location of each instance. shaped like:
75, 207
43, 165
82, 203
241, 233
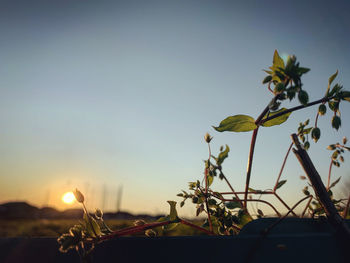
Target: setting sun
68, 198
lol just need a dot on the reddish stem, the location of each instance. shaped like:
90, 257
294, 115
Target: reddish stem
307, 205
329, 174
249, 166
281, 200
196, 227
284, 163
257, 200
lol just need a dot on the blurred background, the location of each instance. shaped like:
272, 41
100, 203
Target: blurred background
114, 97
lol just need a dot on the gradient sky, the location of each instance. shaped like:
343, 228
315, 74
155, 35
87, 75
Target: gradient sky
103, 94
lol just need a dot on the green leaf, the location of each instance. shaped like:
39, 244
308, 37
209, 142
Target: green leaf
237, 123
210, 179
233, 205
223, 155
334, 183
277, 121
256, 191
167, 227
345, 95
330, 80
277, 61
280, 183
91, 226
243, 217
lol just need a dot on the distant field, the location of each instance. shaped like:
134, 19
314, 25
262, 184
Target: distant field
54, 228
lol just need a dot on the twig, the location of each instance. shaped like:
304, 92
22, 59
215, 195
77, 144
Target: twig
196, 227
257, 200
307, 205
321, 192
284, 163
329, 174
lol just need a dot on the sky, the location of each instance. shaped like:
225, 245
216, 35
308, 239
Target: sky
109, 95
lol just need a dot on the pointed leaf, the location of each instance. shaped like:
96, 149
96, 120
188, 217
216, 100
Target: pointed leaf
330, 80
277, 61
334, 183
237, 123
233, 205
277, 121
223, 155
91, 226
280, 183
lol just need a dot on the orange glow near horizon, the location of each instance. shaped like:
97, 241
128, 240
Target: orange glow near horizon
68, 198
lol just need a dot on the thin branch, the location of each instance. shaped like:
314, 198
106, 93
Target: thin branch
250, 192
323, 100
284, 203
197, 227
346, 210
284, 163
329, 174
230, 186
249, 165
257, 200
307, 205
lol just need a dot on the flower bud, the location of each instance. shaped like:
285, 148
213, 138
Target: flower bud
345, 140
98, 213
303, 97
78, 196
316, 134
331, 147
336, 122
207, 137
150, 233
322, 109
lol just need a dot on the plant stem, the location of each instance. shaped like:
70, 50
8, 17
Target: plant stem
307, 205
257, 200
197, 227
230, 186
346, 210
89, 219
321, 192
284, 163
323, 100
134, 229
329, 174
284, 203
249, 165
206, 189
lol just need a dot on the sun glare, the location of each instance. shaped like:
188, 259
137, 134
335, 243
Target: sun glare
68, 198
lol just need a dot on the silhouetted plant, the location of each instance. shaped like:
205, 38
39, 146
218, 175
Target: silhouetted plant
226, 216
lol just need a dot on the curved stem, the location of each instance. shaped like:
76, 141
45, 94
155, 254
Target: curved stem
258, 200
284, 203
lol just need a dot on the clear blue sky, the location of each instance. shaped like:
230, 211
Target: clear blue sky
99, 94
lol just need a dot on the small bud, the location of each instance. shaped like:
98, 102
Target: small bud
302, 177
78, 196
322, 109
303, 97
336, 122
341, 158
267, 79
98, 213
293, 58
195, 199
139, 222
207, 137
331, 147
345, 140
306, 145
150, 233
315, 134
279, 87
